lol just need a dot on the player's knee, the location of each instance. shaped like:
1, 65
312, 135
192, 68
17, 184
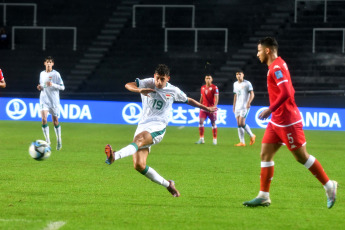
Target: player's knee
139, 166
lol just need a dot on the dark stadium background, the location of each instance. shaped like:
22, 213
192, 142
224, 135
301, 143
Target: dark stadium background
110, 52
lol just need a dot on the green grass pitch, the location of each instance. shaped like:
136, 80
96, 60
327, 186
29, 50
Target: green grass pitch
75, 189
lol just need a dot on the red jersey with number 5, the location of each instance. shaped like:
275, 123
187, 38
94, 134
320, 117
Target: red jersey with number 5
287, 113
208, 94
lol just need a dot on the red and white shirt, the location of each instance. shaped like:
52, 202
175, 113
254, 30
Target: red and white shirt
208, 94
284, 111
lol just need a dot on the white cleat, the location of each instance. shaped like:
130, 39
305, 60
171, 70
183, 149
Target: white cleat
332, 194
200, 141
214, 141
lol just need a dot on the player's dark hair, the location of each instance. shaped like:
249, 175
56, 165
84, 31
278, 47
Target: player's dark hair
239, 71
269, 42
162, 70
50, 58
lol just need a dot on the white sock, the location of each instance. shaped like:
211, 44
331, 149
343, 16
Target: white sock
155, 177
45, 129
247, 129
129, 150
328, 185
58, 133
241, 134
264, 194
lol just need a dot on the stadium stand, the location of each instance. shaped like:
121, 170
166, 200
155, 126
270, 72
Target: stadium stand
110, 52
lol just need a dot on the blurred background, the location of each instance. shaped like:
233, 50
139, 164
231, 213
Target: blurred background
100, 45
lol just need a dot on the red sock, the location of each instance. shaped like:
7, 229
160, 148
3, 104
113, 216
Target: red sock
317, 170
266, 177
214, 132
201, 131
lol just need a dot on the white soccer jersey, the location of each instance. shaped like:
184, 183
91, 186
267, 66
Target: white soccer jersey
50, 95
157, 106
242, 90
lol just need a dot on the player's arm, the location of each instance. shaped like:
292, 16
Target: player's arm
251, 98
194, 103
283, 96
56, 86
234, 103
3, 83
132, 86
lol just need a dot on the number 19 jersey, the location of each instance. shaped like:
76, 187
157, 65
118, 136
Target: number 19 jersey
157, 106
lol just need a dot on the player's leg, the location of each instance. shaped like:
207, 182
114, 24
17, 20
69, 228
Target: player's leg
240, 130
271, 143
57, 129
202, 117
213, 118
315, 167
139, 162
141, 139
246, 127
45, 127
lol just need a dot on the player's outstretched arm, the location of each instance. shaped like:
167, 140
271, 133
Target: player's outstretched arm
132, 86
194, 103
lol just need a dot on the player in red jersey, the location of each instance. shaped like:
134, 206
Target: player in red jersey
209, 97
2, 80
285, 127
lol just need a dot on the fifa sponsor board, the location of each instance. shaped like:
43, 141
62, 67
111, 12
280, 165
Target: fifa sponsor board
110, 112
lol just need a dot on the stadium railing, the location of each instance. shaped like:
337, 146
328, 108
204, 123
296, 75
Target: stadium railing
196, 36
44, 28
325, 7
163, 12
328, 29
34, 5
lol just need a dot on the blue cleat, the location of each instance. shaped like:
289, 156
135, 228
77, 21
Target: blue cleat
332, 194
258, 201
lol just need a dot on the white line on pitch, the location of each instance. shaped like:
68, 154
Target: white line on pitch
55, 225
19, 220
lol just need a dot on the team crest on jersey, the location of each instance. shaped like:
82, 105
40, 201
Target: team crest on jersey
210, 88
167, 96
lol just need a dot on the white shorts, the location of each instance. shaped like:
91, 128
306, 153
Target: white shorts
156, 129
241, 112
54, 111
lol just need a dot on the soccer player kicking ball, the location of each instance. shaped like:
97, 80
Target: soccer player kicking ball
285, 127
243, 97
209, 97
50, 85
157, 98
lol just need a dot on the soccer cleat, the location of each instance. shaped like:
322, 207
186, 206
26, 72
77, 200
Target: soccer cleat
171, 188
200, 141
110, 154
252, 139
258, 201
332, 194
58, 145
214, 141
240, 144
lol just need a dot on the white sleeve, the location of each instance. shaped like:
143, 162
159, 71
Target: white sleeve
59, 85
180, 96
145, 83
250, 87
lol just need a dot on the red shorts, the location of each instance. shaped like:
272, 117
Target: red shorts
292, 136
203, 114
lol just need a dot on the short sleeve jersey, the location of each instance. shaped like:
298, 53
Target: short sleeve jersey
242, 91
157, 106
208, 94
288, 113
50, 95
1, 75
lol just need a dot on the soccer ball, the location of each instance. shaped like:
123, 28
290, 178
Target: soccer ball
39, 150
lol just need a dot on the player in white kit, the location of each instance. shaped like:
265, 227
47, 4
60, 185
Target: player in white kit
50, 85
157, 98
243, 97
